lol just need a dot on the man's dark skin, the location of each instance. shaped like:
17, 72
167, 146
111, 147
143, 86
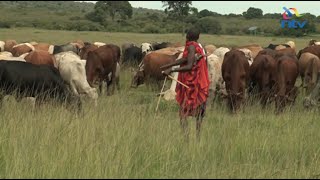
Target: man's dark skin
190, 61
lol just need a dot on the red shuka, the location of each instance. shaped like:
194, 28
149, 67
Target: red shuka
198, 81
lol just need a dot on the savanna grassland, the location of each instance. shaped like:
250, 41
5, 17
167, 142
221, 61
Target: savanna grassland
124, 138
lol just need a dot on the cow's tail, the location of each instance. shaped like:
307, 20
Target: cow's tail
281, 80
314, 71
266, 63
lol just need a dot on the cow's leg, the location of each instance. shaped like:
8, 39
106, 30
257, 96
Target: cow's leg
100, 87
73, 88
113, 79
117, 75
264, 97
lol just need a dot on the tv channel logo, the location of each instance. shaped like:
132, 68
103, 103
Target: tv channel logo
287, 16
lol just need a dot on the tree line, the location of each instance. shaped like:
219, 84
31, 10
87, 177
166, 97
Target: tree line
120, 16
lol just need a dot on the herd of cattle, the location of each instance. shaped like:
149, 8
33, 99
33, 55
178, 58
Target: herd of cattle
74, 70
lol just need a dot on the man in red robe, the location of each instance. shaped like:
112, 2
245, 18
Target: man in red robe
193, 72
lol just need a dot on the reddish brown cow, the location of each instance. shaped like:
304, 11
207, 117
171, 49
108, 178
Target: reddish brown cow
278, 53
235, 73
20, 49
268, 51
42, 46
263, 74
287, 51
254, 48
311, 72
151, 71
287, 73
86, 49
311, 49
100, 63
79, 42
40, 57
9, 45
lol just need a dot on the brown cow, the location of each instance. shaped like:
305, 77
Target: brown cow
311, 71
9, 45
287, 73
42, 47
254, 48
20, 49
268, 51
311, 49
40, 57
150, 70
210, 48
312, 99
235, 73
80, 43
263, 74
286, 51
304, 60
86, 49
100, 63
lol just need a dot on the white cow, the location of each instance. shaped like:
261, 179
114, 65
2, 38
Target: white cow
99, 44
293, 45
2, 43
27, 44
215, 76
5, 55
170, 94
72, 70
220, 52
146, 48
248, 54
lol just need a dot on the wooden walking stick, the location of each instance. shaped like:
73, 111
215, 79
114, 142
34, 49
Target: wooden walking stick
178, 81
164, 83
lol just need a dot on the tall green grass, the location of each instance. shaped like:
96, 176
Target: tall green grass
124, 138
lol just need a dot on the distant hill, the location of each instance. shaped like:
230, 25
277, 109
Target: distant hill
70, 15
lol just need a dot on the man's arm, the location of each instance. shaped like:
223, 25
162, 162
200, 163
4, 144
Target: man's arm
177, 62
190, 60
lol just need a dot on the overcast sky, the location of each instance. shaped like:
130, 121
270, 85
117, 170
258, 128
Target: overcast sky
237, 7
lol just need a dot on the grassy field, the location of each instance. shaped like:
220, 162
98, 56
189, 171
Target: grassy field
124, 138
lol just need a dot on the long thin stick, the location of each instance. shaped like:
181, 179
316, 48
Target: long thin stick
164, 83
178, 81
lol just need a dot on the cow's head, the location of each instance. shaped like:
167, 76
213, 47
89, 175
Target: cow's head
235, 74
137, 79
146, 48
312, 42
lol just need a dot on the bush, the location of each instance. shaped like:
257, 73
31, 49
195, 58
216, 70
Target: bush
209, 25
4, 25
233, 31
150, 28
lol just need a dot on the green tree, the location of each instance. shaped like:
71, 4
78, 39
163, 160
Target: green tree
204, 13
194, 11
253, 13
178, 10
112, 8
209, 25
